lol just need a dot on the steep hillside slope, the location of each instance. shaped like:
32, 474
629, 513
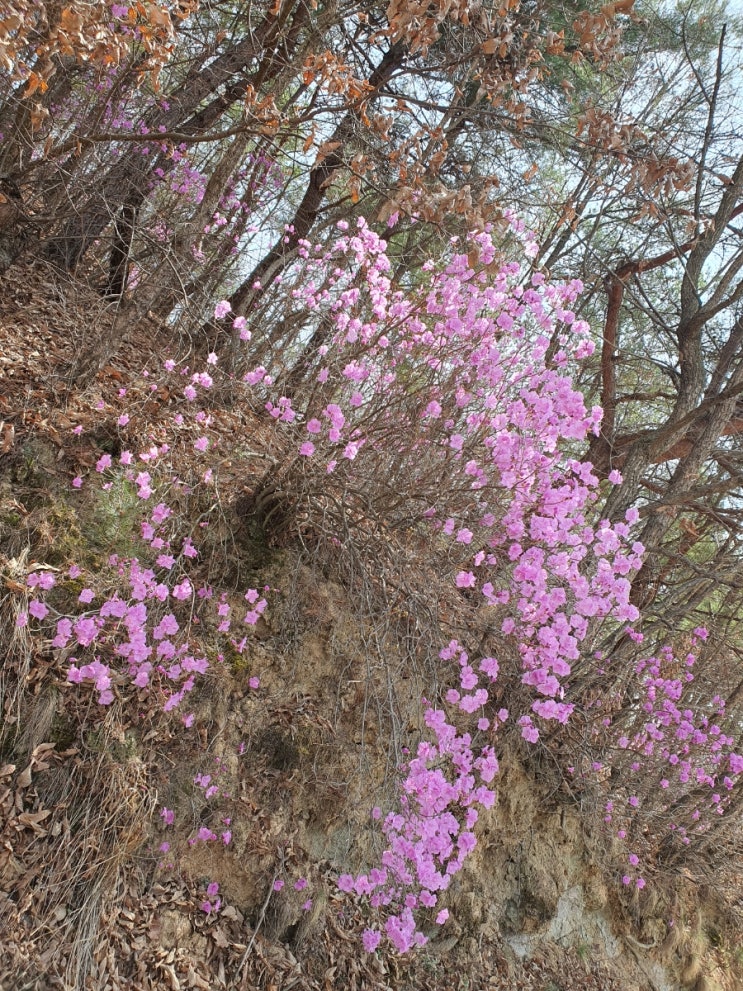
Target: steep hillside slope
201, 847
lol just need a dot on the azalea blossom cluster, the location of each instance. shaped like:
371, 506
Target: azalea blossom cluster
459, 390
431, 835
134, 623
677, 766
141, 611
462, 387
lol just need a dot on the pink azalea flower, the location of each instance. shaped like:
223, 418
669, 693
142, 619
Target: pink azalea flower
371, 939
37, 609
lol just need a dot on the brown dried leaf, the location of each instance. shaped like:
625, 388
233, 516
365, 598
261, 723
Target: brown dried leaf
196, 980
33, 819
171, 975
325, 149
232, 913
24, 778
7, 436
219, 937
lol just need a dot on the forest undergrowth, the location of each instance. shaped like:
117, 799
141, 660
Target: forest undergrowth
370, 495
211, 817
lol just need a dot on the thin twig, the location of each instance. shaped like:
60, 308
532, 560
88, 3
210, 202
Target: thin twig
261, 918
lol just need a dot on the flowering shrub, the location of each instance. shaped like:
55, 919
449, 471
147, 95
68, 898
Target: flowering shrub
145, 608
460, 390
458, 394
674, 765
